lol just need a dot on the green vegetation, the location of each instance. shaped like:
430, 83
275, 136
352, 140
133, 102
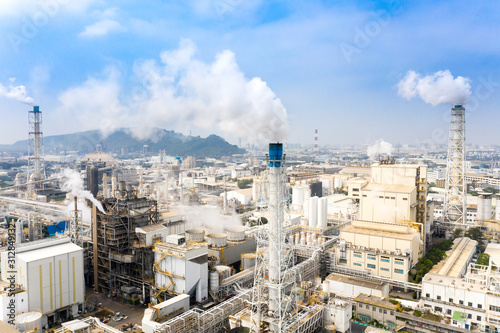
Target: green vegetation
475, 234
483, 259
174, 144
417, 313
244, 183
458, 232
435, 254
432, 317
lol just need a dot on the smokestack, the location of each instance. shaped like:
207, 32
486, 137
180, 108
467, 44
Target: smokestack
316, 149
455, 209
276, 213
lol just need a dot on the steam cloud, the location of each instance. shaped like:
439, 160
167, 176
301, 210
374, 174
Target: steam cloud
380, 147
71, 181
438, 88
185, 91
209, 217
16, 92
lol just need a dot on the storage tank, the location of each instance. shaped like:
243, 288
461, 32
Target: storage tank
322, 212
29, 321
248, 260
217, 240
195, 235
484, 207
214, 280
223, 271
313, 211
19, 231
235, 234
297, 196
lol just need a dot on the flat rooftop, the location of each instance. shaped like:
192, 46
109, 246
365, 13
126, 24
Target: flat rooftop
355, 281
377, 301
381, 233
456, 259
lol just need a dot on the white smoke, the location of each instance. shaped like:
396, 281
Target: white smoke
184, 91
208, 217
16, 92
380, 147
71, 181
438, 88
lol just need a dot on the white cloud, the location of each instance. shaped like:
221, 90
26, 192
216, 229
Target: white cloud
438, 88
102, 28
182, 90
16, 92
48, 7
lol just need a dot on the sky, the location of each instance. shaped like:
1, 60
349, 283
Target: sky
251, 69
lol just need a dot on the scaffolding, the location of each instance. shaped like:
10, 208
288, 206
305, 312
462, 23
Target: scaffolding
118, 258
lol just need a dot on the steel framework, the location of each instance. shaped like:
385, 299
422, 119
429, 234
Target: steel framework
118, 257
455, 203
274, 301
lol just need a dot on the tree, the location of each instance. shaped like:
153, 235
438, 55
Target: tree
458, 232
475, 234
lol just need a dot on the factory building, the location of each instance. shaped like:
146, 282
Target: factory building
122, 238
181, 268
383, 249
50, 283
395, 192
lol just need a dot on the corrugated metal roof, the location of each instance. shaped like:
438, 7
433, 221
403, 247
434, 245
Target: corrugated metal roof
47, 252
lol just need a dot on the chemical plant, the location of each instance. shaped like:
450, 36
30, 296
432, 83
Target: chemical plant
275, 240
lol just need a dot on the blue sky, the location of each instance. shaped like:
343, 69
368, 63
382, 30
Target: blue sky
333, 65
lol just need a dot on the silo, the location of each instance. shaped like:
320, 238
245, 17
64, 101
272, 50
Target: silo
313, 211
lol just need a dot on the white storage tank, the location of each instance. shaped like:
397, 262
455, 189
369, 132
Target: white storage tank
223, 271
195, 235
248, 260
313, 211
29, 321
217, 240
235, 234
214, 280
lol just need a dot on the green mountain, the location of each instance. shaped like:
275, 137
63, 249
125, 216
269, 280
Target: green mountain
175, 144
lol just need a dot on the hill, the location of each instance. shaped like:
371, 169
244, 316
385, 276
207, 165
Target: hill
175, 144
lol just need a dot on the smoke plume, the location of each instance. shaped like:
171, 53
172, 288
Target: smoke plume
16, 92
438, 88
185, 91
380, 147
71, 181
208, 217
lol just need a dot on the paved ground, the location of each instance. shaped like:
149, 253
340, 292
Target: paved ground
134, 313
356, 328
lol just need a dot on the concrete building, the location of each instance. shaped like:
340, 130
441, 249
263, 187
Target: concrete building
386, 250
394, 192
370, 308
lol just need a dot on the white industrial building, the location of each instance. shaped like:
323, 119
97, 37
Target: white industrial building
155, 315
386, 250
50, 273
181, 268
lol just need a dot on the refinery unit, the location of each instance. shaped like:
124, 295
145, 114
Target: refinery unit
301, 257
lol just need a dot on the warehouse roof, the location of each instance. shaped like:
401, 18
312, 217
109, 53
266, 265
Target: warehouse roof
47, 252
457, 258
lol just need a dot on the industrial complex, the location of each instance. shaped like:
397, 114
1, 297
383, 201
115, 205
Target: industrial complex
275, 240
